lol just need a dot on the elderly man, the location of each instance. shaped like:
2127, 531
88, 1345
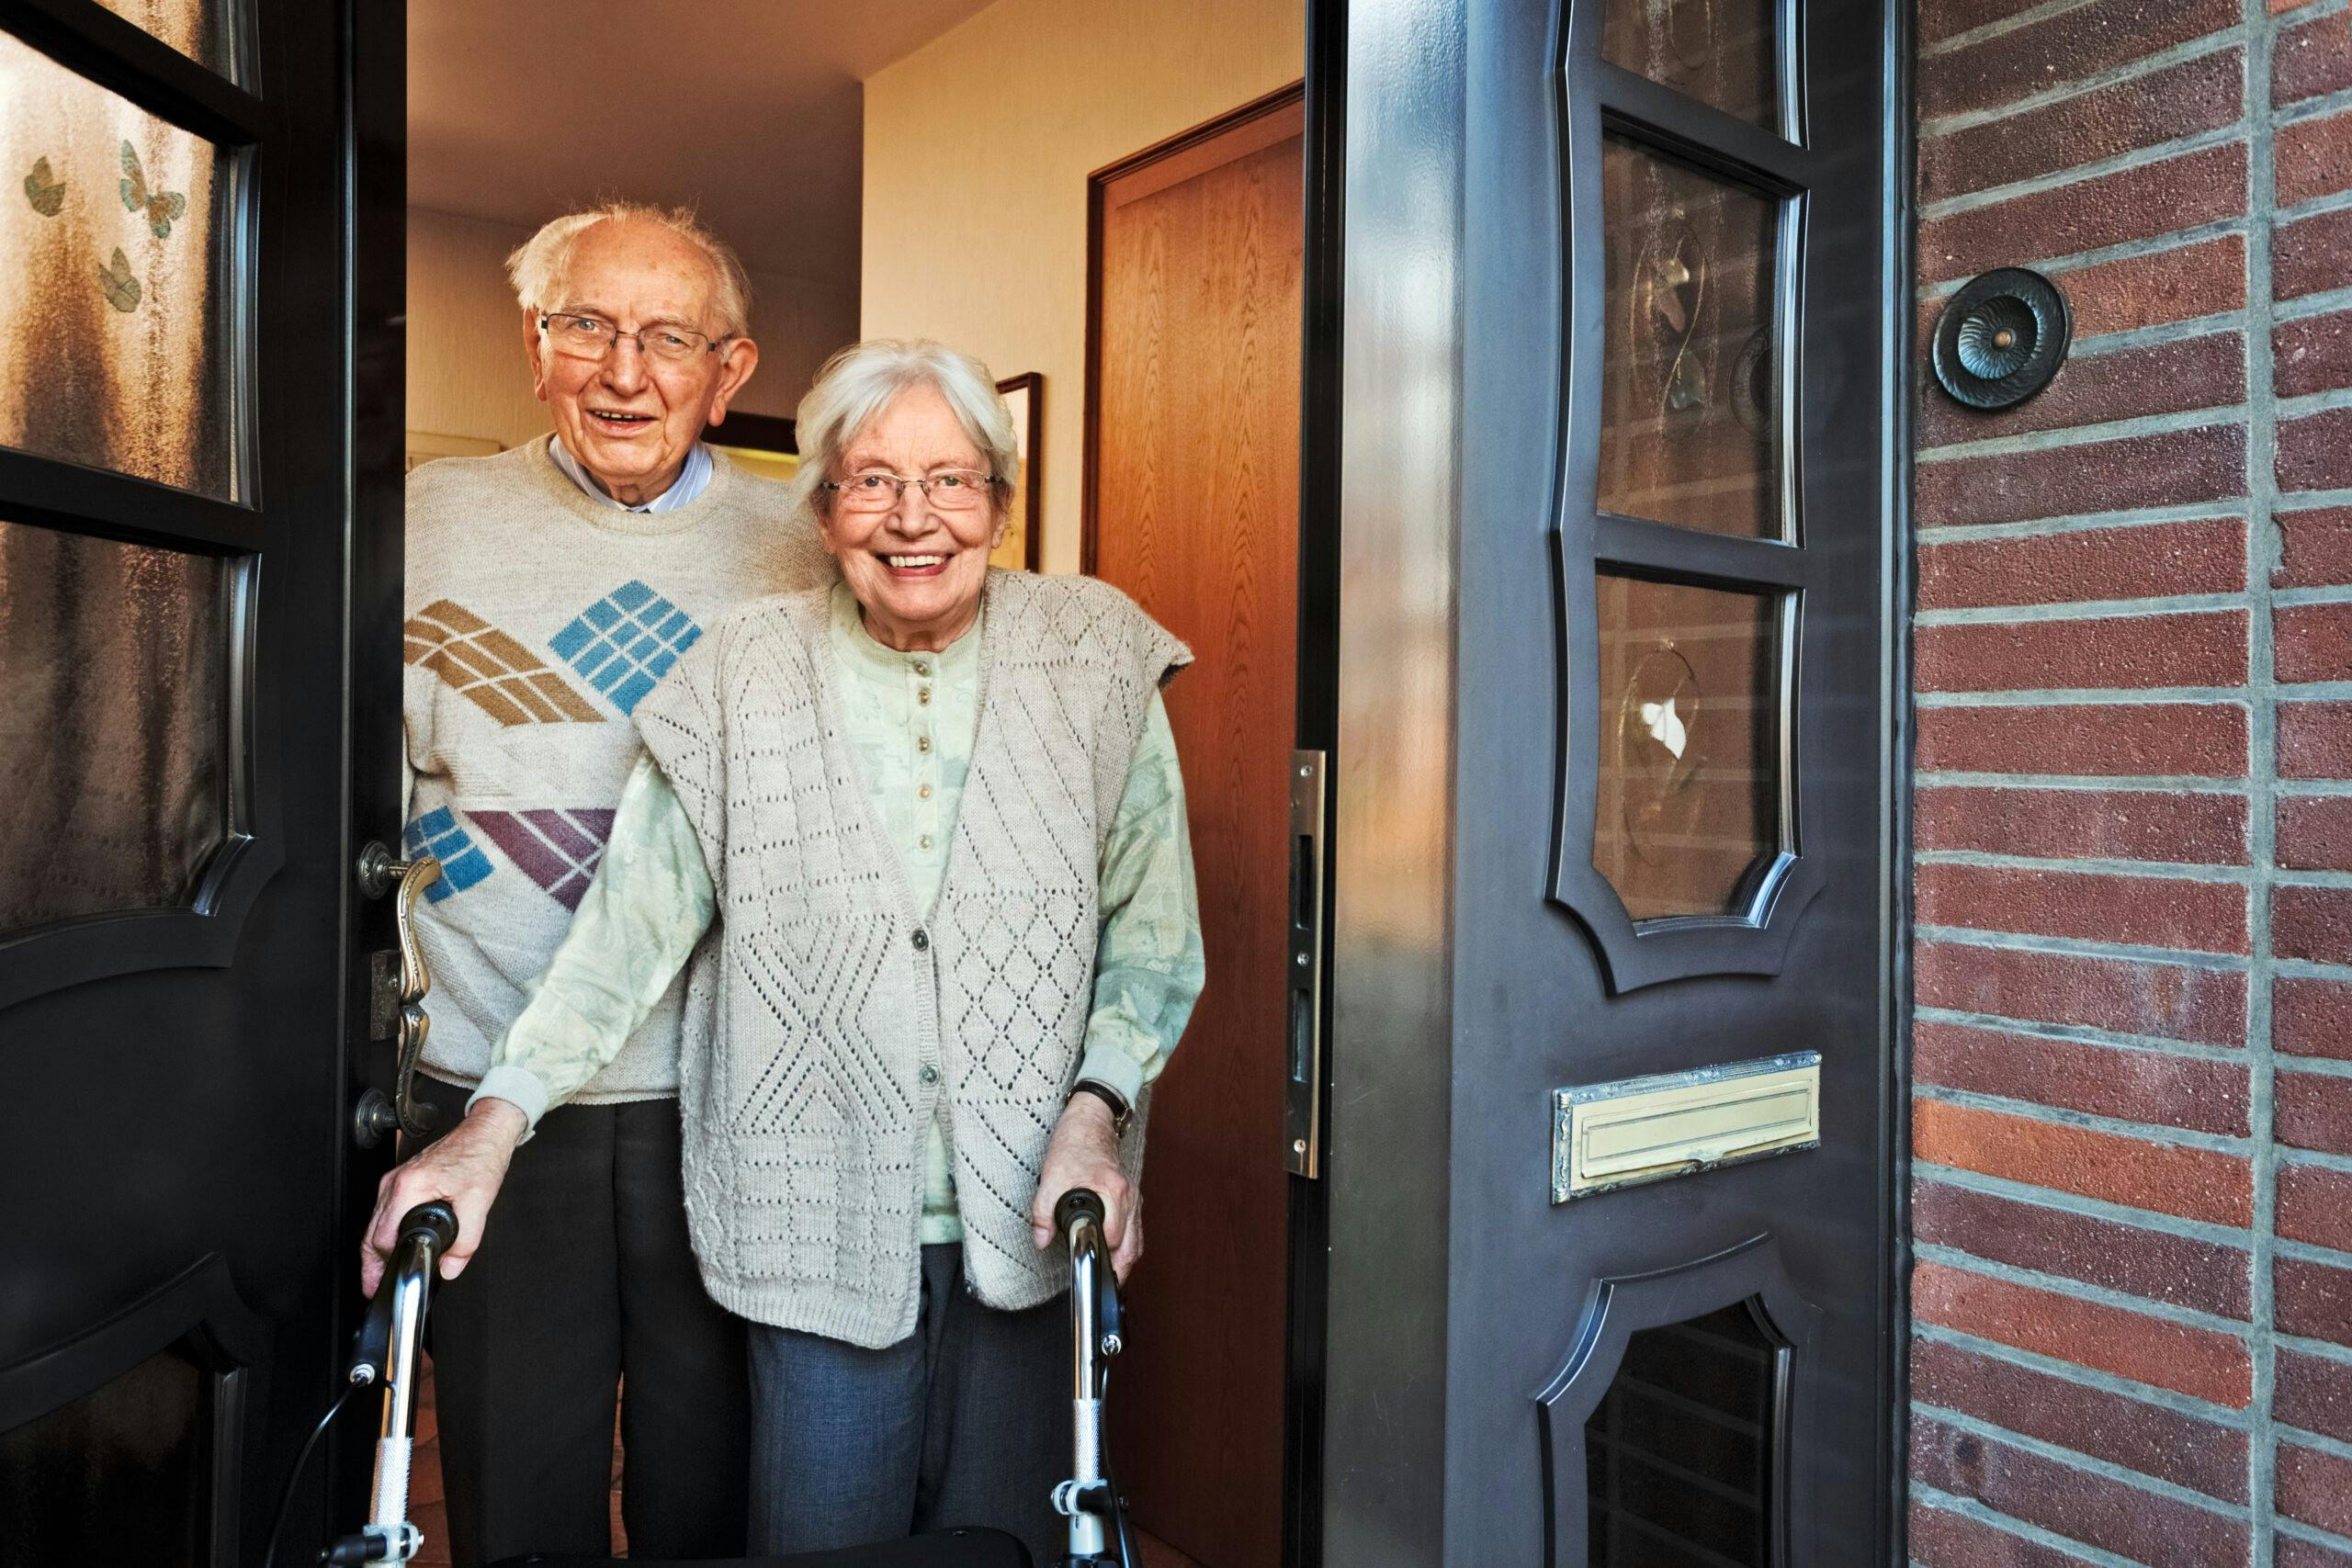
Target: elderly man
550, 588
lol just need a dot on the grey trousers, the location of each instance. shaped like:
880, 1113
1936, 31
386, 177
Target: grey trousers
964, 1422
585, 1275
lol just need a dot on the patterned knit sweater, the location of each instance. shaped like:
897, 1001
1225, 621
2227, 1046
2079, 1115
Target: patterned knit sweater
538, 621
830, 1024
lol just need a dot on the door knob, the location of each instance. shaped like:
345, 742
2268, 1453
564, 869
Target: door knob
377, 1112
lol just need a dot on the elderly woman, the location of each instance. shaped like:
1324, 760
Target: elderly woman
936, 813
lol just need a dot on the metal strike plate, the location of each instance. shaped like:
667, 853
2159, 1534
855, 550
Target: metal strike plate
1605, 1136
1303, 962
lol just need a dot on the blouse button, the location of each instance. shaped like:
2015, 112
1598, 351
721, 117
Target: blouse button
923, 938
923, 742
921, 668
923, 793
923, 843
923, 694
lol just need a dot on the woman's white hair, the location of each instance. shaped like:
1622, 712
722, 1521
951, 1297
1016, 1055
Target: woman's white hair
862, 380
537, 265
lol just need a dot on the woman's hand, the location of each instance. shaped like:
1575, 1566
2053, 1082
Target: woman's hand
467, 1168
1084, 1152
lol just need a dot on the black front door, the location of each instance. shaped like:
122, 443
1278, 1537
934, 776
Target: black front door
199, 589
1612, 1219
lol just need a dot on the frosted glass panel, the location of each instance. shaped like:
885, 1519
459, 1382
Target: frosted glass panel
114, 290
1689, 767
114, 724
201, 29
1719, 51
1689, 404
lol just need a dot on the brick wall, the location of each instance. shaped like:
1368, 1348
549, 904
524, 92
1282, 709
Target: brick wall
2133, 1051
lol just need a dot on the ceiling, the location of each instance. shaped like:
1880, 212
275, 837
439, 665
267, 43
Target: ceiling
750, 109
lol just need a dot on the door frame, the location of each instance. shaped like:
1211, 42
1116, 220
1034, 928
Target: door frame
1403, 279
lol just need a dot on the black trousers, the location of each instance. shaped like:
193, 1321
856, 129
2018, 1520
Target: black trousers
585, 1277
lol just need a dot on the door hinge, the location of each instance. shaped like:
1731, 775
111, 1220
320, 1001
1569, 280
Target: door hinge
1302, 1083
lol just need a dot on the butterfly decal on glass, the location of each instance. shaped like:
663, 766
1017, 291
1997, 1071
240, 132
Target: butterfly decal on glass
161, 207
44, 190
118, 283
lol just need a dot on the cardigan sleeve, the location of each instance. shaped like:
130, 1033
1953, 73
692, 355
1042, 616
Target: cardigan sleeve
648, 906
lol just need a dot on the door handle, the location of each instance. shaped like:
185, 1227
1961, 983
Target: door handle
378, 1113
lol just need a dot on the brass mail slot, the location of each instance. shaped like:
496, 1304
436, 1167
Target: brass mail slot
1617, 1134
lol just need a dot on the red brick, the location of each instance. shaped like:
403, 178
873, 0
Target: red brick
2316, 451
2146, 111
2070, 47
2312, 255
2131, 1260
2076, 824
2204, 555
2108, 209
2315, 1487
2315, 740
2110, 739
2197, 1184
2179, 284
2311, 922
2315, 547
2312, 642
2171, 1000
2098, 389
2140, 1524
2173, 468
2293, 1551
2314, 1394
2312, 354
2315, 1112
2169, 1445
2312, 158
1941, 1538
2196, 1361
2312, 59
2103, 1080
2197, 648
2315, 832
2146, 911
2315, 1206
2311, 1017
2315, 1301
1939, 20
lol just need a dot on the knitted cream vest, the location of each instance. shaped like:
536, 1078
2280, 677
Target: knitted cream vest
830, 1020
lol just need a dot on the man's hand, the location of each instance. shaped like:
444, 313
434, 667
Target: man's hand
1084, 1152
467, 1168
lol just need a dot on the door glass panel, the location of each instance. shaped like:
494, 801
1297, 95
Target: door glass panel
1719, 51
114, 724
121, 1475
116, 288
201, 29
1678, 1456
1689, 809
1689, 402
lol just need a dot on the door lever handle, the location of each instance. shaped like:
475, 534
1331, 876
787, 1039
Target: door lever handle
378, 1113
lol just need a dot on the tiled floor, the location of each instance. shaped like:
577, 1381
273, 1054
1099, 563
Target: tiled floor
425, 1505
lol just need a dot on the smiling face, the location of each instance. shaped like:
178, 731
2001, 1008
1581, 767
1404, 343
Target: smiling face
917, 570
631, 421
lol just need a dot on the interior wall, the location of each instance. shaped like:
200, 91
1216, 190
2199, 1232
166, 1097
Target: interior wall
467, 373
978, 147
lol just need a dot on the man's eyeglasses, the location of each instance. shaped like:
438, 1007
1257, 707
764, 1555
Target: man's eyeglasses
953, 489
593, 337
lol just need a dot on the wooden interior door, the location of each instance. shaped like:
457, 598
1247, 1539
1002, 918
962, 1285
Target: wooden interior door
1192, 432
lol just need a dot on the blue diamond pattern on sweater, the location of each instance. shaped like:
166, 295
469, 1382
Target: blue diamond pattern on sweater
626, 642
436, 833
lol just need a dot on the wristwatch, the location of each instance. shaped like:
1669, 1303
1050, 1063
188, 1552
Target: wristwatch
1108, 1096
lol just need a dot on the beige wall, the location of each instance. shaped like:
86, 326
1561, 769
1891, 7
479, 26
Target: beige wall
467, 375
977, 152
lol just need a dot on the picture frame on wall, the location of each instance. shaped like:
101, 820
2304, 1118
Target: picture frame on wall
1024, 395
758, 442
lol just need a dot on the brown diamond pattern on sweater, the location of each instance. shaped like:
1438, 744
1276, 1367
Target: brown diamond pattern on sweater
490, 669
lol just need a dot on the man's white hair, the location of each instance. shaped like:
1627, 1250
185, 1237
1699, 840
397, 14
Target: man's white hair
537, 265
862, 380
